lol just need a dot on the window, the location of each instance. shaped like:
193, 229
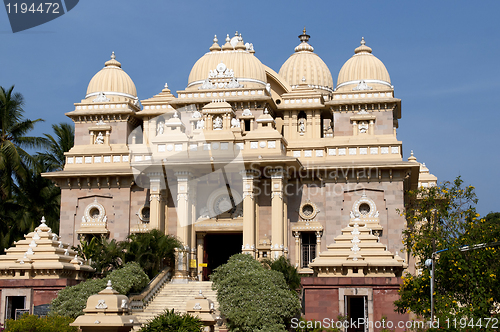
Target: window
308, 248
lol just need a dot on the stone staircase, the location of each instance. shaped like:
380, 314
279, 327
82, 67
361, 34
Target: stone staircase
175, 296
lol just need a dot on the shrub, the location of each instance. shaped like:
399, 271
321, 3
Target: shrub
173, 322
72, 300
290, 273
253, 298
31, 323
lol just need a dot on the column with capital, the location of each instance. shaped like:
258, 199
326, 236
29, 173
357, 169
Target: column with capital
297, 249
156, 206
318, 243
248, 212
183, 220
277, 206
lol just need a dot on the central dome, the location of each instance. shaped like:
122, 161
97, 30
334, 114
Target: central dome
306, 67
235, 64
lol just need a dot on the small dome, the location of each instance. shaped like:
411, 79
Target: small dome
306, 67
112, 80
227, 62
363, 71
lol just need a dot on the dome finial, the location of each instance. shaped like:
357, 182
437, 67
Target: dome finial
227, 38
215, 46
113, 56
363, 41
304, 37
227, 46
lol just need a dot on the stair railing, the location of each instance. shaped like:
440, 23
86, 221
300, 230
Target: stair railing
140, 301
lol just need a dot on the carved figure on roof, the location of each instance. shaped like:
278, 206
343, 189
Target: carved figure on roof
99, 139
217, 123
235, 123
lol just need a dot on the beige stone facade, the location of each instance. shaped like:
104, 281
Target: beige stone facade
244, 159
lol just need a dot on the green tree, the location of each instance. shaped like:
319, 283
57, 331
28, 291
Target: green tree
153, 250
290, 273
64, 140
466, 285
13, 140
253, 298
16, 165
102, 254
71, 301
173, 322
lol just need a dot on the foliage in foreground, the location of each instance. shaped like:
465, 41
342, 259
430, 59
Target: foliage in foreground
32, 323
174, 322
466, 282
290, 273
152, 250
72, 300
253, 298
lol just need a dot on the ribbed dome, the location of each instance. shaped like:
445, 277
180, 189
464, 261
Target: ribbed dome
238, 62
306, 67
112, 80
363, 71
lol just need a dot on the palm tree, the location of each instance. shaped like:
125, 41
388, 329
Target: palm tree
14, 160
16, 164
64, 141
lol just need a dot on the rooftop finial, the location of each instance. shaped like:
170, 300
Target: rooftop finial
215, 39
304, 37
228, 39
166, 86
113, 56
43, 221
363, 41
236, 34
109, 286
412, 153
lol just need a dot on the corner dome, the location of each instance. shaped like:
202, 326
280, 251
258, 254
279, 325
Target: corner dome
112, 81
234, 64
306, 67
363, 71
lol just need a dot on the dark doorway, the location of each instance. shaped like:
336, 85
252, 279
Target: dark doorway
357, 312
13, 303
218, 249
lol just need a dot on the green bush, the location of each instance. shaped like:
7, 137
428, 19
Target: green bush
173, 322
290, 273
253, 298
72, 300
31, 323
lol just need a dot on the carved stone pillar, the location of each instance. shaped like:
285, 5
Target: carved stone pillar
156, 183
200, 244
318, 243
248, 212
354, 128
371, 129
183, 207
183, 221
297, 249
277, 177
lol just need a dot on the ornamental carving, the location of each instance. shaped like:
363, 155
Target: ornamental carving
94, 213
308, 211
221, 78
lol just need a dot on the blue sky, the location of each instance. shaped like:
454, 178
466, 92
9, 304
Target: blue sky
442, 57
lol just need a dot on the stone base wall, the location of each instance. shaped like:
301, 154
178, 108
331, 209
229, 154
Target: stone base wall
323, 298
37, 291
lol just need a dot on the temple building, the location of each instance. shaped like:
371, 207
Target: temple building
247, 159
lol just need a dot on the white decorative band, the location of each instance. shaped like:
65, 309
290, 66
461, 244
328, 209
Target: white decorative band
110, 94
251, 80
366, 81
